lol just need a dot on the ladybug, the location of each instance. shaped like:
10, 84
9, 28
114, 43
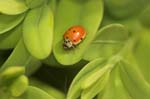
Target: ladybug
73, 36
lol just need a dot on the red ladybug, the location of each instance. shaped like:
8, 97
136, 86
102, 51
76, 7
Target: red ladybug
73, 36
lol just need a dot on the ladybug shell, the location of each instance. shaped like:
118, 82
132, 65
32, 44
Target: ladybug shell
75, 34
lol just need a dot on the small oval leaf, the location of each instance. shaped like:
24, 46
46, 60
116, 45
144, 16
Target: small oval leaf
12, 7
87, 13
38, 31
11, 73
19, 86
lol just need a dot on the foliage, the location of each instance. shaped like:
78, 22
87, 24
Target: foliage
112, 62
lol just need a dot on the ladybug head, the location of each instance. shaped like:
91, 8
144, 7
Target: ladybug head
68, 44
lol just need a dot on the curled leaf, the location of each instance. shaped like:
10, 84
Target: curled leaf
108, 42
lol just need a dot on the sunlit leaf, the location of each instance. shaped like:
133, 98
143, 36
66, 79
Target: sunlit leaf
38, 31
87, 13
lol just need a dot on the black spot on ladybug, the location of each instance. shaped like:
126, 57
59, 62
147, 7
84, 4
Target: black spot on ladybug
74, 40
74, 31
81, 39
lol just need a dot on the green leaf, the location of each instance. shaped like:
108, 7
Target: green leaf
34, 3
75, 88
92, 91
11, 73
19, 86
32, 66
142, 53
35, 93
11, 38
21, 57
132, 24
4, 94
108, 42
38, 31
134, 81
7, 22
47, 88
115, 88
12, 7
18, 57
93, 75
124, 8
52, 4
145, 17
87, 13
51, 61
